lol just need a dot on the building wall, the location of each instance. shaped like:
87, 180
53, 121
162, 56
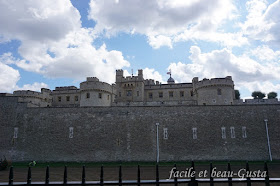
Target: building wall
129, 133
166, 89
66, 96
96, 93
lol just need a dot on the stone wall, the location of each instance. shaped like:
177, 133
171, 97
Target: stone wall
129, 133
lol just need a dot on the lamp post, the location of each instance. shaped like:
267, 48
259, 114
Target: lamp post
268, 143
157, 124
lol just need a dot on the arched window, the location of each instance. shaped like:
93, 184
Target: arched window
219, 91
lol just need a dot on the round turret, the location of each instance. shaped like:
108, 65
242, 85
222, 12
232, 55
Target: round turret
95, 93
170, 80
216, 91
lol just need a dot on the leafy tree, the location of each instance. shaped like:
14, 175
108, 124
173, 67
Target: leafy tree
258, 95
237, 94
271, 95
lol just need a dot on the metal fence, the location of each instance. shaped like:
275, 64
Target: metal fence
192, 181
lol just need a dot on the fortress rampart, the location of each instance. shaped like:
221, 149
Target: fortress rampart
129, 133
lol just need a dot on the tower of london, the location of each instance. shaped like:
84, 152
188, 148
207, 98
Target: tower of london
134, 91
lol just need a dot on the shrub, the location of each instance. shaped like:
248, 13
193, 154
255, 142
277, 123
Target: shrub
3, 164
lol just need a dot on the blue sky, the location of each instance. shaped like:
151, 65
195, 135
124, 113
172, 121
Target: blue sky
60, 43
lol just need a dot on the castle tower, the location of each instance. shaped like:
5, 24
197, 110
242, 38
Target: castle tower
96, 93
130, 88
216, 91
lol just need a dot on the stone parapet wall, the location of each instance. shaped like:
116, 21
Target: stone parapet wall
129, 133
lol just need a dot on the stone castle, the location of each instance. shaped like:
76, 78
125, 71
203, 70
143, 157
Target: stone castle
136, 91
200, 120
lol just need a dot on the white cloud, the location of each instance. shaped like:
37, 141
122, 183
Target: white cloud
265, 53
246, 72
35, 86
165, 21
263, 21
8, 78
149, 73
53, 43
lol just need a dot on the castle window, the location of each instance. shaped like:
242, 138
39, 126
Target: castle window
226, 101
160, 95
108, 97
59, 99
67, 98
194, 130
165, 133
151, 95
214, 101
182, 93
171, 94
223, 132
244, 133
137, 92
232, 132
120, 94
219, 91
88, 95
129, 93
100, 95
76, 98
71, 132
191, 93
15, 132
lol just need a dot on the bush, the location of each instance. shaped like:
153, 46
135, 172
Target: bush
258, 95
272, 95
3, 164
237, 94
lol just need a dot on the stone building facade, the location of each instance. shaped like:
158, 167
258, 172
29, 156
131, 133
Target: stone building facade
137, 91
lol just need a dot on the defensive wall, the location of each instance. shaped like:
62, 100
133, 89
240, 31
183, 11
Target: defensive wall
229, 132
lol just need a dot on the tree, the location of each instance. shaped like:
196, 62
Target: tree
271, 95
237, 94
258, 95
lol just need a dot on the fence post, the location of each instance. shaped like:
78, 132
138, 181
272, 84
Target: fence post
120, 175
175, 178
138, 176
47, 176
11, 176
211, 178
65, 175
84, 176
229, 178
157, 175
193, 180
29, 176
248, 178
267, 176
101, 176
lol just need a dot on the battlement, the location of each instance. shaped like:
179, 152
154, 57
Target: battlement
168, 86
26, 93
66, 88
227, 81
96, 85
94, 79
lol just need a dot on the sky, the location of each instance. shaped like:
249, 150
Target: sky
50, 43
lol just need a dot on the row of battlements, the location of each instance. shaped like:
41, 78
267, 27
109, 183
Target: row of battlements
214, 81
26, 93
66, 88
169, 86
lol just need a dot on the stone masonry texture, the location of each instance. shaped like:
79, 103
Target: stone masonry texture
129, 133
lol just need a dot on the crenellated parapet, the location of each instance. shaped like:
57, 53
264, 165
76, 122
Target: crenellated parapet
34, 98
227, 81
93, 84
